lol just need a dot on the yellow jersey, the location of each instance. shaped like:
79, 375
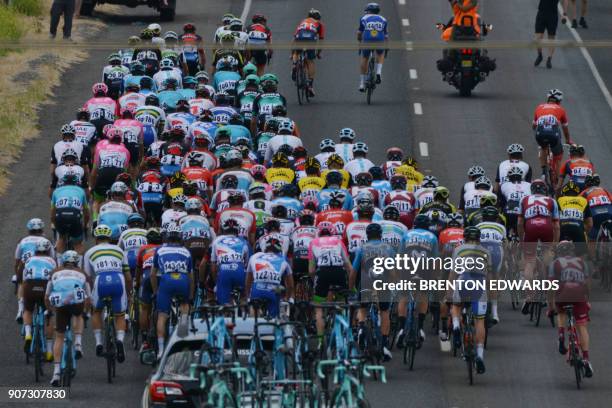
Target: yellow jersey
346, 177
573, 210
309, 183
278, 176
414, 178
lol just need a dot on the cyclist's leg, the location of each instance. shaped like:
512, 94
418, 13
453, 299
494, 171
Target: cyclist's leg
145, 297
380, 59
363, 67
164, 300
77, 328
385, 322
62, 316
321, 289
96, 316
581, 312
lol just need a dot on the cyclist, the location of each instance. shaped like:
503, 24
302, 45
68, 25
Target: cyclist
493, 237
394, 157
401, 199
287, 196
372, 28
312, 182
380, 183
174, 214
439, 202
133, 132
265, 273
335, 214
515, 159
573, 275
113, 74
68, 293
600, 203
473, 173
335, 163
68, 143
226, 19
245, 219
363, 187
132, 98
132, 239
229, 257
333, 181
259, 34
35, 275
470, 201
511, 194
172, 277
24, 250
359, 163
475, 299
102, 109
170, 94
85, 131
311, 29
115, 212
259, 204
272, 230
538, 220
226, 78
228, 187
394, 232
363, 264
193, 55
425, 193
409, 168
548, 118
106, 265
344, 148
197, 233
576, 168
266, 101
283, 137
329, 265
280, 173
574, 216
152, 118
144, 263
69, 213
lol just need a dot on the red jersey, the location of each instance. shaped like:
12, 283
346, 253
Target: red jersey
537, 206
144, 259
339, 218
245, 219
577, 170
405, 203
550, 109
310, 24
449, 239
200, 175
597, 196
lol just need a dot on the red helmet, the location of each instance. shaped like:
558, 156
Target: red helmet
326, 228
189, 28
124, 178
259, 18
395, 154
106, 129
99, 88
258, 169
152, 161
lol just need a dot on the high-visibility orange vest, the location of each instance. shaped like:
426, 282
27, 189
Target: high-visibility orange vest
459, 20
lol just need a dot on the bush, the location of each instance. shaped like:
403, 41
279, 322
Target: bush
10, 26
28, 7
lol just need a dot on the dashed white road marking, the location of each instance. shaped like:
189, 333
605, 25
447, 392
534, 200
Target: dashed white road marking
413, 74
424, 149
405, 22
409, 45
418, 109
401, 2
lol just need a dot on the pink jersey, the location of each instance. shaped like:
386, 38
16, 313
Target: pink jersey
132, 130
102, 108
327, 252
112, 156
131, 100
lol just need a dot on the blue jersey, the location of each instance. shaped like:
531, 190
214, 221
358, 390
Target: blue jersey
115, 215
135, 79
293, 206
239, 132
383, 187
67, 287
230, 252
27, 247
187, 93
420, 242
373, 27
195, 226
394, 233
172, 259
268, 270
69, 196
225, 81
323, 198
222, 114
168, 99
38, 268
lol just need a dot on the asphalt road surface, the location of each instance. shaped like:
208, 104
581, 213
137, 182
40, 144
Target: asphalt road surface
523, 368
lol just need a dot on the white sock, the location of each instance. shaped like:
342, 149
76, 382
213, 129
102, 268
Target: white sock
20, 306
362, 79
56, 368
160, 344
456, 323
78, 338
28, 330
49, 345
480, 350
379, 69
98, 336
494, 308
120, 335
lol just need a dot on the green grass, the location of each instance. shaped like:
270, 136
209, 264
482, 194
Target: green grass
10, 26
28, 7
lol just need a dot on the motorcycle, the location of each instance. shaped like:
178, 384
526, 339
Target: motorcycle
464, 68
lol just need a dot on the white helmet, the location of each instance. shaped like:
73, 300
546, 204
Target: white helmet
475, 171
555, 94
286, 124
193, 204
326, 143
515, 148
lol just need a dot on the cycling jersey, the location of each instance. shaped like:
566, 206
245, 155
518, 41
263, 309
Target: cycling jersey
174, 265
225, 81
373, 28
195, 227
69, 202
60, 147
268, 270
160, 77
572, 274
244, 179
346, 177
38, 268
27, 247
324, 195
198, 105
383, 187
131, 240
344, 150
279, 176
512, 194
219, 199
405, 202
245, 101
370, 192
107, 263
449, 239
327, 252
181, 120
365, 258
63, 170
67, 287
414, 178
262, 209
573, 211
150, 116
171, 216
359, 165
301, 237
101, 108
84, 132
470, 201
504, 167
550, 109
222, 114
111, 156
231, 255
577, 170
492, 236
355, 236
423, 196
539, 212
293, 206
393, 233
279, 140
246, 220
260, 245
168, 98
115, 214
474, 270
131, 101
310, 29
265, 102
310, 186
420, 243
339, 219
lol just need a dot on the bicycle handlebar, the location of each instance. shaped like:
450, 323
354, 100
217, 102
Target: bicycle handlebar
368, 369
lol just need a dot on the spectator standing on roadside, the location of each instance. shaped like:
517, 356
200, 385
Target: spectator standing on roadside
59, 7
547, 20
571, 6
77, 8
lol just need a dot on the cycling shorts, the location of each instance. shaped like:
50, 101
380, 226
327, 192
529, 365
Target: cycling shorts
68, 223
229, 276
546, 22
168, 170
581, 310
600, 215
63, 315
153, 210
197, 248
259, 57
172, 285
553, 141
306, 36
536, 229
134, 150
33, 291
99, 124
366, 53
110, 285
497, 255
572, 232
146, 291
326, 277
382, 306
105, 179
272, 298
476, 298
132, 257
511, 223
299, 267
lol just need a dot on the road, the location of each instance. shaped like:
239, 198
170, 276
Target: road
523, 368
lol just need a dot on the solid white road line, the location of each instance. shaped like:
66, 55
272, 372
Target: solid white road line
424, 149
413, 74
418, 109
591, 64
405, 22
246, 9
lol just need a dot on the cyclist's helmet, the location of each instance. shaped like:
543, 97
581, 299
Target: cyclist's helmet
430, 182
365, 206
335, 159
411, 162
252, 79
102, 231
565, 248
471, 234
347, 134
515, 173
314, 13
257, 189
377, 173
279, 211
170, 36
374, 230
372, 8
395, 154
173, 232
421, 221
125, 178
576, 150
171, 83
336, 199
202, 76
360, 147
258, 171
281, 159
179, 199
333, 178
286, 127
259, 19
538, 186
592, 180
71, 257
235, 198
272, 225
391, 213
279, 111
327, 145
43, 246
306, 217
441, 193
118, 188
82, 114
35, 224
570, 189
289, 190
137, 68
227, 18
249, 69
114, 59
475, 171
135, 219
189, 28
193, 204
300, 152
326, 228
555, 94
236, 24
154, 236
515, 148
133, 40
483, 182
312, 165
487, 199
489, 213
69, 154
455, 220
398, 182
230, 181
363, 179
152, 100
68, 130
155, 29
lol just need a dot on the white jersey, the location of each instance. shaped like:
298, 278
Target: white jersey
277, 141
84, 132
506, 165
345, 150
60, 147
104, 258
150, 115
359, 165
513, 194
423, 196
161, 76
199, 105
27, 247
114, 68
471, 200
260, 245
322, 159
171, 216
62, 170
240, 37
132, 100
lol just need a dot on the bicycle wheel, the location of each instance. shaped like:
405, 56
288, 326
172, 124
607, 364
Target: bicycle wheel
135, 323
298, 81
409, 354
371, 81
363, 403
37, 355
66, 373
109, 349
470, 366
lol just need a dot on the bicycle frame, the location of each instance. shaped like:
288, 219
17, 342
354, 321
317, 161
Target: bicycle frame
341, 335
38, 347
68, 363
573, 355
468, 346
350, 388
110, 349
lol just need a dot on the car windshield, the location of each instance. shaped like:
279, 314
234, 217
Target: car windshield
180, 358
